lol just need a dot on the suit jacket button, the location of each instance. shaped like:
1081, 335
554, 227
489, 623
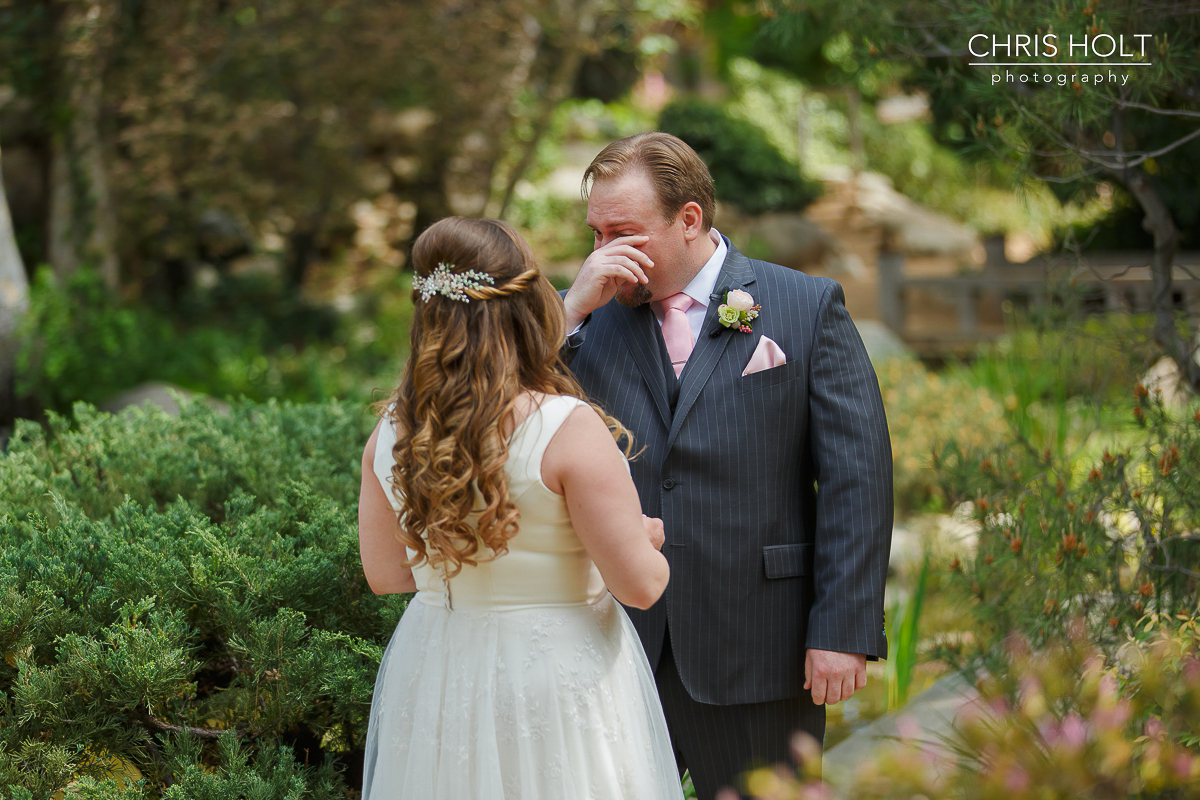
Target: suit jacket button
668, 483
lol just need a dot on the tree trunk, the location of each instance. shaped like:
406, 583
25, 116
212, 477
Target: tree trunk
472, 166
14, 303
1159, 223
581, 20
82, 224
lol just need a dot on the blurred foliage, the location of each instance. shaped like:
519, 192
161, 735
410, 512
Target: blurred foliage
241, 339
799, 41
748, 171
927, 412
167, 611
554, 227
1064, 131
987, 196
1077, 126
242, 129
1059, 383
1080, 583
1062, 723
1111, 540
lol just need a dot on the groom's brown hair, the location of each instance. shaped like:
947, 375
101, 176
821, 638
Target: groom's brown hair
678, 174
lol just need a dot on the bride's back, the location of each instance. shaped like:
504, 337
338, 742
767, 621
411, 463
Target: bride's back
546, 565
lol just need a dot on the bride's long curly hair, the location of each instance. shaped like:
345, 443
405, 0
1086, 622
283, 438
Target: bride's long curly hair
454, 408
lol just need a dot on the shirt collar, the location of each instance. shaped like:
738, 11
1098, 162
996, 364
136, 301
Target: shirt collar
705, 281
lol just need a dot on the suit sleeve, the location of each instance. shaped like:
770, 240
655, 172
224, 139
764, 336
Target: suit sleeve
852, 452
574, 338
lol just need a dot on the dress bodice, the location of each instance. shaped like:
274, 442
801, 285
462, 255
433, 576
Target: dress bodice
546, 565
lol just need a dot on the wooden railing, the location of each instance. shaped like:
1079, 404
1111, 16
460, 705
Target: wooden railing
1113, 281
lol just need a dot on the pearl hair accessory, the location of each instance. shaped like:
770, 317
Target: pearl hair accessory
453, 285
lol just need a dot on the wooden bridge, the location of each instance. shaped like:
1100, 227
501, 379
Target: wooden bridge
951, 315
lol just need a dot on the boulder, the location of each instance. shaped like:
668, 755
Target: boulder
881, 341
1164, 378
912, 228
157, 394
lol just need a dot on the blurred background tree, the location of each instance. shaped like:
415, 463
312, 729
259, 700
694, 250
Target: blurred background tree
1139, 135
14, 299
216, 123
172, 147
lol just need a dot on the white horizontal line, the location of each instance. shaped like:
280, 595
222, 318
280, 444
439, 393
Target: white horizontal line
1056, 64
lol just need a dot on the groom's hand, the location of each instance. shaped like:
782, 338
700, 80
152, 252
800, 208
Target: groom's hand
608, 268
834, 677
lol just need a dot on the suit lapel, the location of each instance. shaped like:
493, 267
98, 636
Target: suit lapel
714, 338
645, 341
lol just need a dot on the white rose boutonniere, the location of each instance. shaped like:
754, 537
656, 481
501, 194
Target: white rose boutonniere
738, 311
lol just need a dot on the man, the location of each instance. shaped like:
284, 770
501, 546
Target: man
748, 387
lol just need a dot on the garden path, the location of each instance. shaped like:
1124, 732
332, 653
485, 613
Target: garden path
922, 725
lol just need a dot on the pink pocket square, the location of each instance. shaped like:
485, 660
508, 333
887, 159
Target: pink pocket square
766, 355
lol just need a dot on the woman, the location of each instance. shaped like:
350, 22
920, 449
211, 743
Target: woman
499, 496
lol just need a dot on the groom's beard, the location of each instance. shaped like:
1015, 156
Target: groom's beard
639, 295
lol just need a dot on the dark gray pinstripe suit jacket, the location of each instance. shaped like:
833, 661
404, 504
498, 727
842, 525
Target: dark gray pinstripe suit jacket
762, 564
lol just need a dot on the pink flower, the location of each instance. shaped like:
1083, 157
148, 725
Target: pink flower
1074, 731
817, 790
1113, 717
1017, 779
1070, 735
742, 301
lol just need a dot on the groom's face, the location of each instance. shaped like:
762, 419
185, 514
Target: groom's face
627, 205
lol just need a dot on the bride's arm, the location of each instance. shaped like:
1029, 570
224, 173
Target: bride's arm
382, 554
583, 464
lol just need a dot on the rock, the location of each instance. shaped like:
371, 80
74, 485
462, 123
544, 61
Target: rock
790, 239
912, 228
1164, 378
221, 235
156, 394
924, 726
881, 342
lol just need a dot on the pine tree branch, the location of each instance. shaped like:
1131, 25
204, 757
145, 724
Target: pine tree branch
149, 721
1097, 156
1165, 112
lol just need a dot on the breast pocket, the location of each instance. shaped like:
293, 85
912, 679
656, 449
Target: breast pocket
768, 377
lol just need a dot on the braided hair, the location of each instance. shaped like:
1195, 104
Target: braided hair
454, 409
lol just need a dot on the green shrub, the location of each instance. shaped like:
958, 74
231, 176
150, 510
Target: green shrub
748, 171
1106, 543
1057, 384
184, 598
925, 413
82, 344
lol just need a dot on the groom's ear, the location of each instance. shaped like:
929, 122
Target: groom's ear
693, 220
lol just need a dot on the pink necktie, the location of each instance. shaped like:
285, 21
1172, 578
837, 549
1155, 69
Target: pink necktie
676, 330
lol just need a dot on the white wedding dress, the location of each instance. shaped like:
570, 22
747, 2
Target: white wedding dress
520, 678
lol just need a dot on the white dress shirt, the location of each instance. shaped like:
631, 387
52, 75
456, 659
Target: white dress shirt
702, 286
